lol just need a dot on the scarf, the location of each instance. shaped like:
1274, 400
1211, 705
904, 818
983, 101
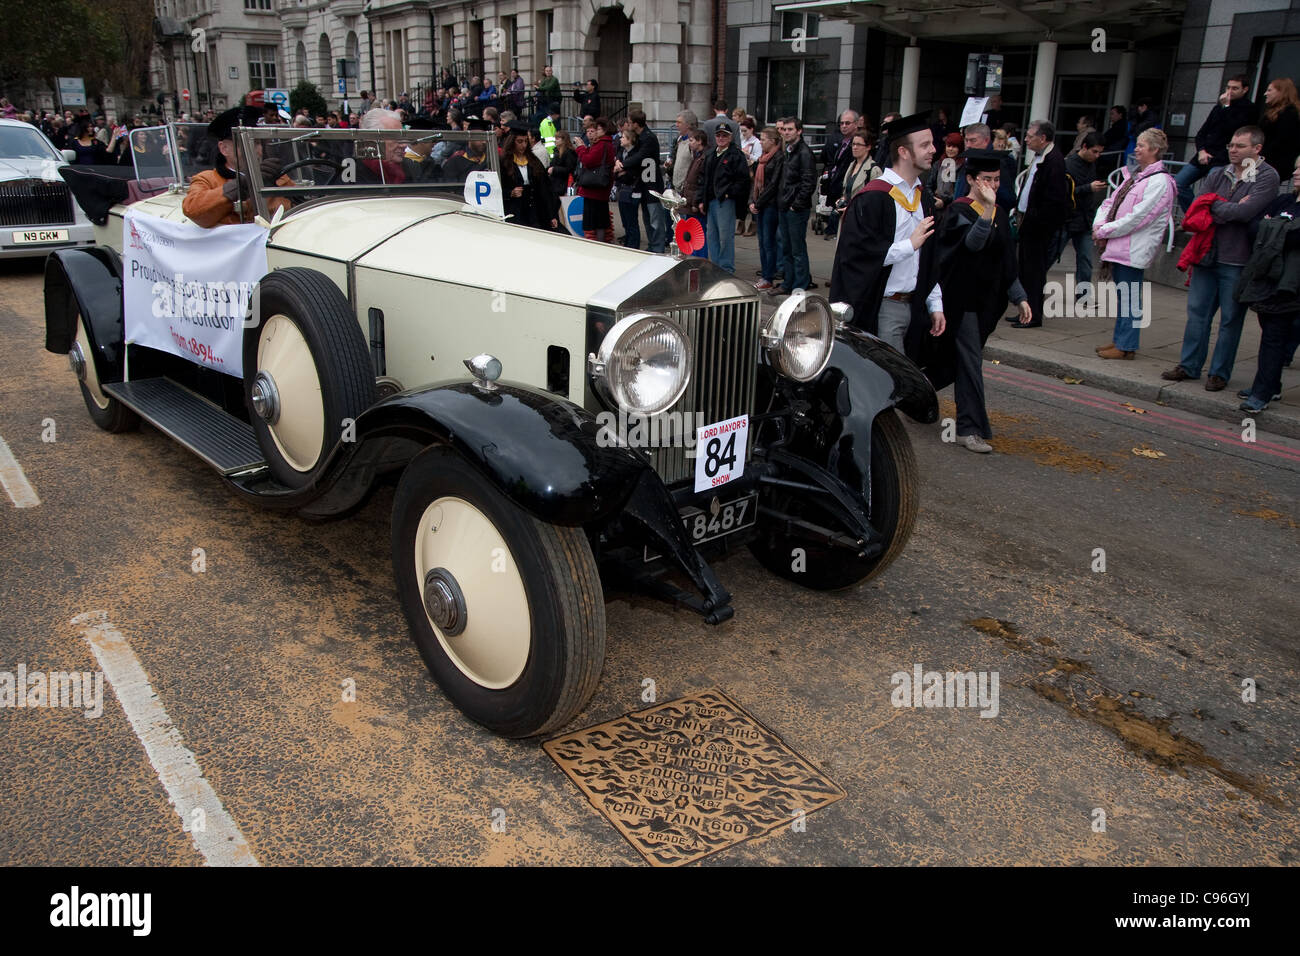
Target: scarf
762, 169
1104, 267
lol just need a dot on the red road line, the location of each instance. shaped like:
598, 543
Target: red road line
1194, 428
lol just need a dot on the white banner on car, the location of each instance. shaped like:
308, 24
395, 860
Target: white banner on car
186, 290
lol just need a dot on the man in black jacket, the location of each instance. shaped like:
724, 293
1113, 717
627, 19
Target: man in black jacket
836, 156
1081, 167
794, 204
588, 100
725, 183
1233, 112
643, 160
1043, 207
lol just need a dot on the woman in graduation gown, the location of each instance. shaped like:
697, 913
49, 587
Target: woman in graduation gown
977, 272
525, 185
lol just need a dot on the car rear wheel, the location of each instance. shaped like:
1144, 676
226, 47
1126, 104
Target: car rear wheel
506, 610
895, 503
106, 412
306, 373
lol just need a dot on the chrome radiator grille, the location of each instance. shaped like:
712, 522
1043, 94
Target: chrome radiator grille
722, 384
35, 203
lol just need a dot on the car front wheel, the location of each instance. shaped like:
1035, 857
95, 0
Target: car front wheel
507, 610
895, 503
106, 412
307, 373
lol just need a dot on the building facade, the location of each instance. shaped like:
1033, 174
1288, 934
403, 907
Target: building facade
658, 54
811, 58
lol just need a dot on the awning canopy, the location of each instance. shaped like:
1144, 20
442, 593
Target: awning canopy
1004, 22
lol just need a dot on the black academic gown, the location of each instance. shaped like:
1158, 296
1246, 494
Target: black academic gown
975, 282
859, 275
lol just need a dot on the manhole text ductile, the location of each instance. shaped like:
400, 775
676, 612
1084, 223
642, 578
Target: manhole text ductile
690, 777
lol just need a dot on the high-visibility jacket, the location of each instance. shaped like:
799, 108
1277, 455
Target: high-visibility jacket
547, 132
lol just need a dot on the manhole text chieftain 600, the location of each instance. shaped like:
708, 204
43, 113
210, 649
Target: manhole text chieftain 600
691, 777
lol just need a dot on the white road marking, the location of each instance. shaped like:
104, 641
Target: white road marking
219, 841
19, 489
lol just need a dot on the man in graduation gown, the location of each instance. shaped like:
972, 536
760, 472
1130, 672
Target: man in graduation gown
977, 270
885, 263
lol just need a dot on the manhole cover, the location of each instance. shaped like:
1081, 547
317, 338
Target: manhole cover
691, 777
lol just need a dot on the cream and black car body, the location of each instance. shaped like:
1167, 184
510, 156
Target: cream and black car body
503, 371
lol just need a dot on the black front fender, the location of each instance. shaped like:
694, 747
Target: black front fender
86, 282
863, 378
880, 377
540, 451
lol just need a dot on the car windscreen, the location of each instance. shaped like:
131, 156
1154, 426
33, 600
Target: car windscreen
19, 143
296, 165
151, 153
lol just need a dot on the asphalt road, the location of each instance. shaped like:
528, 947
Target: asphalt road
1120, 691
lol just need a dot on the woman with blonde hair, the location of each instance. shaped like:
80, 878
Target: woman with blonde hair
1280, 122
1128, 229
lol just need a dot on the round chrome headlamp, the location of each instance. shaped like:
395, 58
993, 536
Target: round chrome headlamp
799, 337
643, 364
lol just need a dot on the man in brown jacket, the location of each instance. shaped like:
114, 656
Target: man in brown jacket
223, 196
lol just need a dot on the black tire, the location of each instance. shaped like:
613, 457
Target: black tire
325, 320
565, 603
112, 416
895, 502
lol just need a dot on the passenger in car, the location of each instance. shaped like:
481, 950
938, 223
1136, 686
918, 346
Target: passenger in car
223, 196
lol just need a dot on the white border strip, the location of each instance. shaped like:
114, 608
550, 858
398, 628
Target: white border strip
219, 840
19, 489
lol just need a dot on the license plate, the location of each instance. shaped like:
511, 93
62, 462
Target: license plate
40, 235
702, 526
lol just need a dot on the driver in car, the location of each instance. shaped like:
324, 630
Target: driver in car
223, 196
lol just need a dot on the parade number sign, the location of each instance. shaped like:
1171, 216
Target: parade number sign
186, 290
691, 777
483, 192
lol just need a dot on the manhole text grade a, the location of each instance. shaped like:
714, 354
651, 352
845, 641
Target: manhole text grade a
690, 777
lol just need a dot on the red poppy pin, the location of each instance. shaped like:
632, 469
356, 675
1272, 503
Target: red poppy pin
690, 236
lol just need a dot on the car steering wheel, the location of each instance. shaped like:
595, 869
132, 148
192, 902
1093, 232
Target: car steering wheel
333, 164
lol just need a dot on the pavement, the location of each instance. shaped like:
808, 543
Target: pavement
1063, 348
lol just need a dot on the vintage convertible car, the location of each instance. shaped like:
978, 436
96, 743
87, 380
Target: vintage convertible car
560, 410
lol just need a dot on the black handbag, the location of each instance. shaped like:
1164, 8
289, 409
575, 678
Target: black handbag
598, 178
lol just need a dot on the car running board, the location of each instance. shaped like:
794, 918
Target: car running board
219, 438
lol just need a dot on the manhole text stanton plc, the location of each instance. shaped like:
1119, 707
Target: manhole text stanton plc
690, 777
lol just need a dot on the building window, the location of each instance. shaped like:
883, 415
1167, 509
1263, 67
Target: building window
510, 30
476, 43
798, 88
542, 55
257, 4
448, 47
807, 22
261, 67
395, 47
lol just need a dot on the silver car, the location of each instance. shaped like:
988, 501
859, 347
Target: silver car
37, 214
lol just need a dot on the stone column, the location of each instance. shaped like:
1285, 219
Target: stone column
1040, 103
1124, 78
655, 74
911, 73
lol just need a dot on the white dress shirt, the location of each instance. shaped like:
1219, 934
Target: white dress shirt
1023, 204
906, 260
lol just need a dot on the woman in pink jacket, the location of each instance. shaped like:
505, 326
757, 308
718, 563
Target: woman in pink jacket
1128, 230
